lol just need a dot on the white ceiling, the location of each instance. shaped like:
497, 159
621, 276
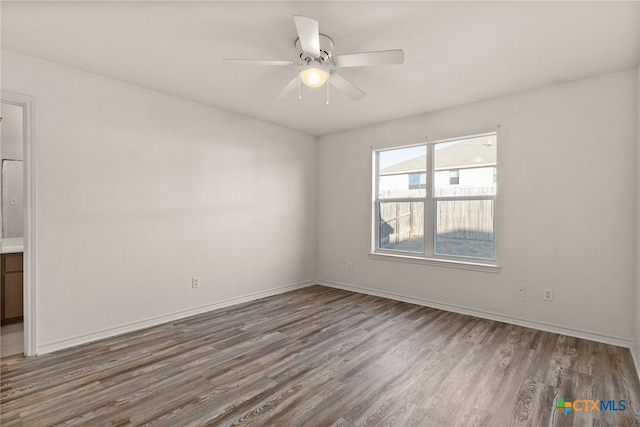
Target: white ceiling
455, 52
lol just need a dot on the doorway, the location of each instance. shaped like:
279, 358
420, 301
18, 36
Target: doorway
17, 232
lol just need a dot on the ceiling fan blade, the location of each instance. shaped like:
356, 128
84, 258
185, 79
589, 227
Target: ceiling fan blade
256, 62
288, 89
309, 34
338, 81
383, 57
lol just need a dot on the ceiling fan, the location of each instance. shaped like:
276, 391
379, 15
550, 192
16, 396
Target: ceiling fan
317, 64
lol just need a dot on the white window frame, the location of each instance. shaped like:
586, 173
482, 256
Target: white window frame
428, 256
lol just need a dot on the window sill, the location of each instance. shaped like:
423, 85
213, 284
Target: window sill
462, 265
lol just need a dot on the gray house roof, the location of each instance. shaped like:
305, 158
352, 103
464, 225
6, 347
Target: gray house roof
469, 153
417, 164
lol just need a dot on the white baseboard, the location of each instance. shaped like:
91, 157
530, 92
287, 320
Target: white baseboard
635, 354
145, 323
154, 321
547, 327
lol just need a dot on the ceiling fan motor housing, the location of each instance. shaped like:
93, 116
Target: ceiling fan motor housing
326, 48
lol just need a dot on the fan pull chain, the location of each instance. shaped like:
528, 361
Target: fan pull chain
327, 83
299, 89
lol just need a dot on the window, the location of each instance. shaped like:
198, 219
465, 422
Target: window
401, 198
437, 200
454, 177
417, 181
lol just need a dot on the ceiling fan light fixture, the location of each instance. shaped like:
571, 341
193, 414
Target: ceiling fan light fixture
314, 76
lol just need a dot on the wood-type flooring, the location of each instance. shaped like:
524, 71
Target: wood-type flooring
319, 356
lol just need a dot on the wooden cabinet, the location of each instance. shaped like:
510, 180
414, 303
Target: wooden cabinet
11, 306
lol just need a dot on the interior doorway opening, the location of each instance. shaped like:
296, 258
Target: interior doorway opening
17, 237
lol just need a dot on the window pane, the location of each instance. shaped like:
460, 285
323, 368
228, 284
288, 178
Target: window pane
401, 226
454, 177
417, 181
465, 167
402, 172
465, 228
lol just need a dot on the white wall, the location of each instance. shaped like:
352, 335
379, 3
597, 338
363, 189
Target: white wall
11, 131
476, 177
12, 199
138, 191
558, 225
11, 148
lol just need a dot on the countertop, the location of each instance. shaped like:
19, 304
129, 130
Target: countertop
12, 246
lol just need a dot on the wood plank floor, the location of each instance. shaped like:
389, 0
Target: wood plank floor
323, 357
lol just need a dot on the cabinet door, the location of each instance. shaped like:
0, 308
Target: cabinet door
12, 295
12, 262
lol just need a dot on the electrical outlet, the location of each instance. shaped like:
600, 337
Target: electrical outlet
548, 294
349, 266
195, 282
522, 291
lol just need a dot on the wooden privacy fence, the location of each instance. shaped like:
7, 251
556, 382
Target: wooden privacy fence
456, 219
469, 219
400, 221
